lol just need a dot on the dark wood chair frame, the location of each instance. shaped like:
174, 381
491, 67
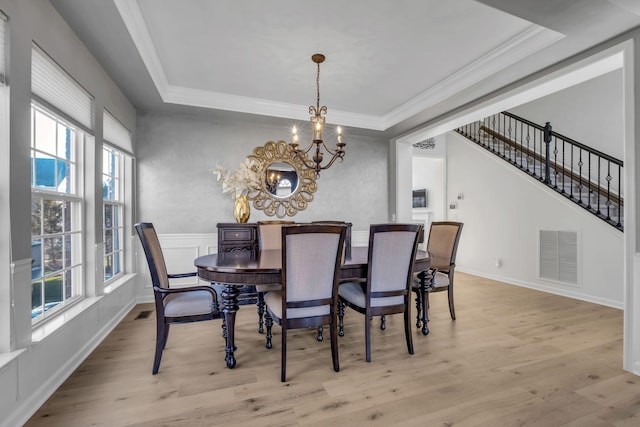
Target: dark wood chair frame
442, 266
260, 295
369, 311
160, 293
308, 322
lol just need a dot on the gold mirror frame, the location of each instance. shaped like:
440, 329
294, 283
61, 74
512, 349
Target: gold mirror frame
290, 205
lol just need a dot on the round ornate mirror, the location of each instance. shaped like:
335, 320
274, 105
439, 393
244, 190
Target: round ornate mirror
281, 179
287, 185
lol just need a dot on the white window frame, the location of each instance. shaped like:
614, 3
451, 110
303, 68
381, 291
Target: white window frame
117, 227
76, 233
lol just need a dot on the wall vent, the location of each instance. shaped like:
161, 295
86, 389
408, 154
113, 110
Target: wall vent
143, 314
559, 256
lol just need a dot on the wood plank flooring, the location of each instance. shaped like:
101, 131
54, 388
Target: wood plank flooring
514, 357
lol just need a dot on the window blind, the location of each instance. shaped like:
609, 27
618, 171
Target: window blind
115, 132
3, 41
56, 87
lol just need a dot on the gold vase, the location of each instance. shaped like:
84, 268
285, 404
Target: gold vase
241, 209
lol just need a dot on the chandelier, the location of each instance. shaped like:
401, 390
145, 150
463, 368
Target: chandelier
317, 124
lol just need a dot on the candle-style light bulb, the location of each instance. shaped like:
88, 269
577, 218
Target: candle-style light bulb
317, 133
294, 132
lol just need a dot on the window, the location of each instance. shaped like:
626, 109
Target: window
56, 214
116, 176
61, 113
113, 202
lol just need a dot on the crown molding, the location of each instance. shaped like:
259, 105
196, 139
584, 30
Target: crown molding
135, 23
526, 43
224, 101
533, 39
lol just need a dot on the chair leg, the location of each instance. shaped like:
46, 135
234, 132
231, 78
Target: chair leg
269, 324
383, 322
341, 318
333, 332
161, 336
320, 335
260, 307
452, 310
283, 371
418, 308
407, 329
367, 337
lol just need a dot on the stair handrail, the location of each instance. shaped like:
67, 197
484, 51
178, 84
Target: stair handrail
566, 138
608, 201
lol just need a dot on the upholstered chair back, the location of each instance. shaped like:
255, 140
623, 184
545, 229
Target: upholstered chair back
153, 252
443, 242
270, 234
391, 261
310, 271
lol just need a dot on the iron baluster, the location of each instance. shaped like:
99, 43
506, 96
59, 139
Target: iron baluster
608, 178
547, 142
599, 175
555, 162
589, 181
528, 146
619, 224
580, 176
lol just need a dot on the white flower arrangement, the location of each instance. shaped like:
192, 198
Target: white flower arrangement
239, 181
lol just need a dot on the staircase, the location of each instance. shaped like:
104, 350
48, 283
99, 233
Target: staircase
587, 177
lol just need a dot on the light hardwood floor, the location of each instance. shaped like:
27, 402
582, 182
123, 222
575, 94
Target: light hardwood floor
514, 357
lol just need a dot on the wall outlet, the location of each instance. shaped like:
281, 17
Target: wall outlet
498, 262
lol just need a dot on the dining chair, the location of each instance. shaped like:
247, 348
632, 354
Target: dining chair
442, 247
347, 239
391, 255
311, 262
173, 305
269, 237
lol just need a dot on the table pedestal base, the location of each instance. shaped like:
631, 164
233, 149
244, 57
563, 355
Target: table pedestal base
425, 285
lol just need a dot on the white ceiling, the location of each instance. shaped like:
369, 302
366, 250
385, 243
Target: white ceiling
388, 62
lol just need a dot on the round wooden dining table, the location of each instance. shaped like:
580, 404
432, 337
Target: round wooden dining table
241, 268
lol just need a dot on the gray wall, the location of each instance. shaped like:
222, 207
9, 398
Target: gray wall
589, 112
177, 191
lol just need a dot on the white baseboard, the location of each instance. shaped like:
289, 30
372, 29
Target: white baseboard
545, 288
